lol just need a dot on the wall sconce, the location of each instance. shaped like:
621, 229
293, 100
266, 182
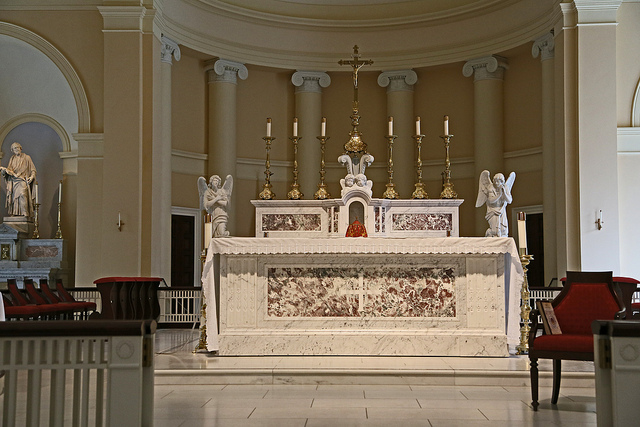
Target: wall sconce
599, 220
120, 223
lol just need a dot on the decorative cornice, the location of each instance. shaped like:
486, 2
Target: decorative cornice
486, 68
400, 80
310, 81
169, 48
590, 12
545, 45
123, 18
222, 70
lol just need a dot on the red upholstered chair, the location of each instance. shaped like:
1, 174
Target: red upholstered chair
585, 297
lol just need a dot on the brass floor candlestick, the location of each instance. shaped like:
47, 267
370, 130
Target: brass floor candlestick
322, 192
447, 186
295, 193
202, 343
59, 231
36, 221
266, 193
525, 307
419, 192
390, 192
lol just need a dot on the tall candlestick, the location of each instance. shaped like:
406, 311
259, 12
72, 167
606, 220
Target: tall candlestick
295, 126
446, 125
418, 125
60, 192
390, 125
323, 127
269, 126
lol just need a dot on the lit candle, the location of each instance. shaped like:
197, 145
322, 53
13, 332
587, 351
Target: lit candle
269, 126
522, 231
418, 125
35, 190
295, 126
446, 125
323, 128
60, 192
390, 125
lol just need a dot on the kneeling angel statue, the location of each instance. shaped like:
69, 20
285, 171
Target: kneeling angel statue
214, 198
496, 195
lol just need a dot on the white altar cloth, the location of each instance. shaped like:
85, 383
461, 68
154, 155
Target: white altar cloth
467, 246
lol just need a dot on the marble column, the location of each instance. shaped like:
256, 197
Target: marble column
161, 169
308, 98
488, 117
399, 86
589, 143
223, 82
544, 47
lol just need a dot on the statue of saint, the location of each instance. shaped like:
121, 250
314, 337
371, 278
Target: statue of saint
214, 198
19, 175
496, 195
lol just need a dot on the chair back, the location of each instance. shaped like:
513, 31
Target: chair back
585, 297
33, 292
64, 295
18, 298
46, 290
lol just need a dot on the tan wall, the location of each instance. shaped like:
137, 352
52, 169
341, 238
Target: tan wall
628, 65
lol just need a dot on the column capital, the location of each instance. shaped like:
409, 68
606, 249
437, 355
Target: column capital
310, 81
222, 70
399, 80
169, 48
486, 68
545, 45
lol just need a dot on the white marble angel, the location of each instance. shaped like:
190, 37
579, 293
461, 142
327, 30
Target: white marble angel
214, 198
496, 195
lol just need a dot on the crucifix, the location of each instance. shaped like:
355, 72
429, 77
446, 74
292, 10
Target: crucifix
356, 63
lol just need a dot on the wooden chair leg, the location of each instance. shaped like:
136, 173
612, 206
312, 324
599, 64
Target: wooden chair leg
534, 383
557, 371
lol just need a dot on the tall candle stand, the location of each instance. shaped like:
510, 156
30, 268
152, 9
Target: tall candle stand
202, 342
295, 193
266, 193
36, 221
447, 186
525, 307
322, 192
59, 231
390, 192
419, 192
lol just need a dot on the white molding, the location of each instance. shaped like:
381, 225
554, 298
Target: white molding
486, 68
635, 107
38, 118
399, 80
223, 70
629, 141
310, 81
523, 153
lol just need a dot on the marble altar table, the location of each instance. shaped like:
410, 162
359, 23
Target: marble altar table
363, 296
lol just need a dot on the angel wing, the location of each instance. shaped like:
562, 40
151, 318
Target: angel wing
509, 182
483, 187
202, 188
228, 185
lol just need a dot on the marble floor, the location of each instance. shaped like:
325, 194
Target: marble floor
207, 390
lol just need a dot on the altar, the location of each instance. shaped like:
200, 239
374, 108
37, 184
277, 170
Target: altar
364, 296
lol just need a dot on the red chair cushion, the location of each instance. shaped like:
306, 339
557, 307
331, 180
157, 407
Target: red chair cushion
565, 342
585, 303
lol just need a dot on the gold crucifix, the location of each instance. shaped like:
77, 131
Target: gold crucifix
356, 63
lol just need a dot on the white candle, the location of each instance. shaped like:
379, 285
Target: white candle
295, 126
208, 231
269, 126
390, 125
446, 125
35, 190
323, 128
418, 125
522, 230
119, 219
60, 192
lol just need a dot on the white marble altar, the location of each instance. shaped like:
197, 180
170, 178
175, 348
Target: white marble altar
364, 296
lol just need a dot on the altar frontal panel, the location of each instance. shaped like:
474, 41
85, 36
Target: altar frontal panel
383, 304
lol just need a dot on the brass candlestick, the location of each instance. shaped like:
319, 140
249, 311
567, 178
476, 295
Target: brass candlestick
202, 343
419, 192
266, 193
525, 307
295, 193
447, 186
59, 231
36, 221
390, 192
322, 192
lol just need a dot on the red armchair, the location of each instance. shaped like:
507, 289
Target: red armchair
585, 297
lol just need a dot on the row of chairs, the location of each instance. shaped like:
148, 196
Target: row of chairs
44, 303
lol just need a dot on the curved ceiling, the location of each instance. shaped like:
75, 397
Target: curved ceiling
313, 34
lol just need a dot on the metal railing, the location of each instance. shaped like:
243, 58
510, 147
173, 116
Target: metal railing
105, 367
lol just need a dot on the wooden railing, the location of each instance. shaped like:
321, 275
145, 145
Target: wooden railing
109, 364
